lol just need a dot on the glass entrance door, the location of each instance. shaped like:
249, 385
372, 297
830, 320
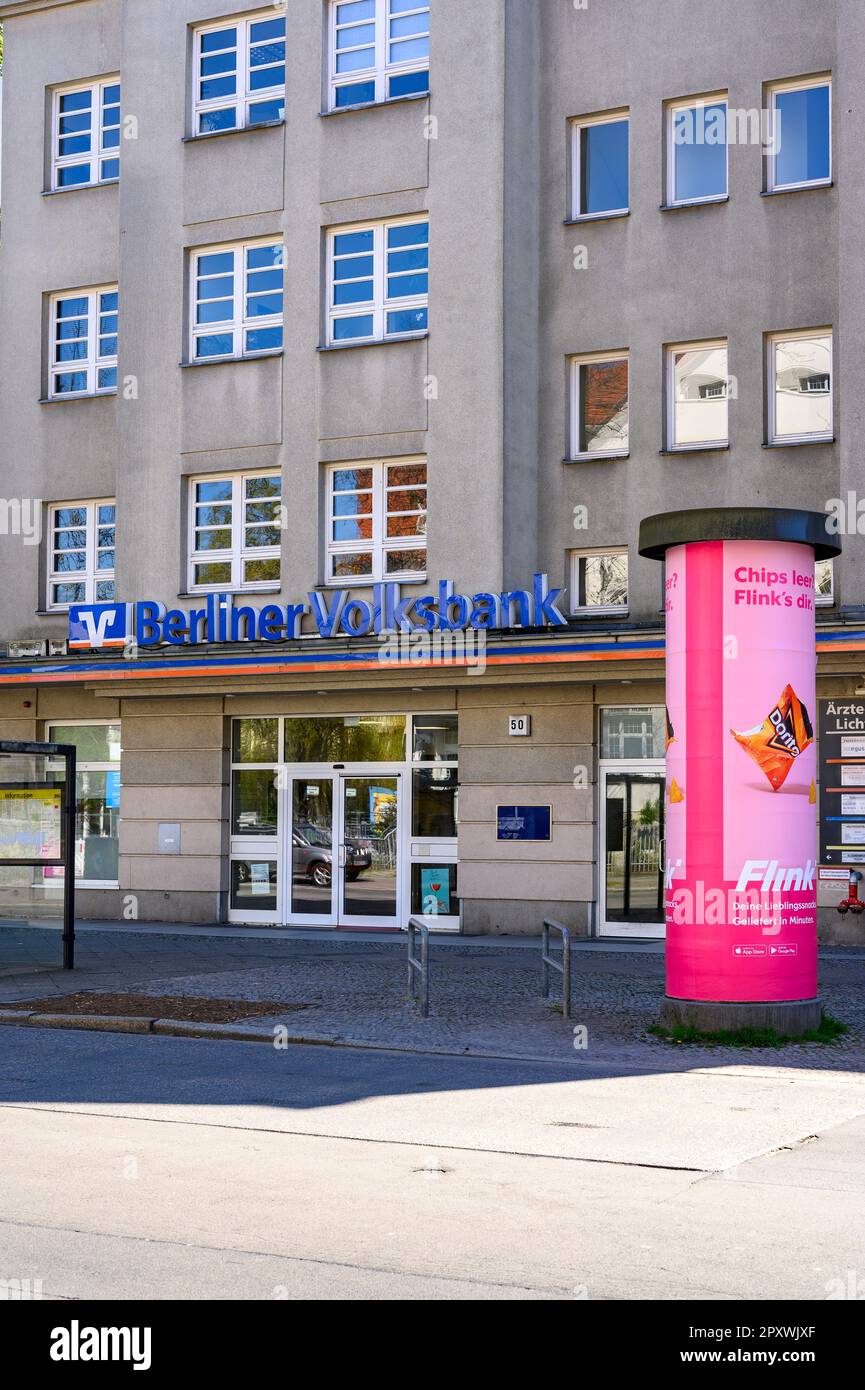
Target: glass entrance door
632, 832
343, 837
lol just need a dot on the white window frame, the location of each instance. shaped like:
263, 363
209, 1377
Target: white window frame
577, 127
243, 97
90, 576
239, 324
239, 551
379, 306
826, 600
603, 609
382, 70
379, 546
98, 150
687, 104
92, 364
584, 359
797, 335
773, 91
89, 766
692, 446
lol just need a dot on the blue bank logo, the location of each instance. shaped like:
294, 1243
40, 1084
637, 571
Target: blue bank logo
98, 625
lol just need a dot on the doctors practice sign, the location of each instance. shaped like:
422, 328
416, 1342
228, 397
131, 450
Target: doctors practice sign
226, 618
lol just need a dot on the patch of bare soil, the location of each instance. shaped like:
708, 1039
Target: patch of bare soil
177, 1007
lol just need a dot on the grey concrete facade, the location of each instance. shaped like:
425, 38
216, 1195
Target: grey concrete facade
483, 397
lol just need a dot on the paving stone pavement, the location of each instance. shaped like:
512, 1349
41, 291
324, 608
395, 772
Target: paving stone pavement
483, 999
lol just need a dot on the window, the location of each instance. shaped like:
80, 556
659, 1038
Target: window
801, 127
81, 540
97, 797
237, 300
697, 396
824, 583
85, 144
379, 50
599, 165
378, 281
800, 380
599, 406
633, 732
235, 531
84, 342
697, 150
599, 581
239, 69
376, 521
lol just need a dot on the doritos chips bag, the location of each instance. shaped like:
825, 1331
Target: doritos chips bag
777, 742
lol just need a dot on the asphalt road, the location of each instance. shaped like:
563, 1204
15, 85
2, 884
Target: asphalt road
147, 1167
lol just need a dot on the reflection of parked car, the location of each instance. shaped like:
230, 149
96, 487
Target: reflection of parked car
312, 856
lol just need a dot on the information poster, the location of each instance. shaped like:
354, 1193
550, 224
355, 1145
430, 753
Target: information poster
31, 823
842, 783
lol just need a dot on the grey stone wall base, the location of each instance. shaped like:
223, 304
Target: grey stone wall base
520, 917
790, 1018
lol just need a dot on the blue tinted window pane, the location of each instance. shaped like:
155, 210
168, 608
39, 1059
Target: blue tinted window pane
105, 560
75, 101
267, 55
214, 345
417, 259
104, 591
354, 292
68, 593
68, 308
70, 124
262, 78
219, 62
108, 382
407, 321
352, 267
261, 111
71, 328
71, 352
108, 347
604, 167
700, 152
356, 61
220, 38
66, 382
217, 263
217, 491
78, 173
108, 301
215, 311
217, 120
411, 24
359, 9
356, 36
260, 280
348, 531
218, 87
802, 133
349, 243
111, 95
263, 339
398, 6
360, 327
265, 256
218, 288
408, 49
407, 84
75, 144
108, 323
401, 286
267, 29
107, 513
412, 234
111, 169
111, 138
356, 94
260, 305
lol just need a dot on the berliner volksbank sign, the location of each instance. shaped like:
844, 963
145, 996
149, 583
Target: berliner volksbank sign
334, 613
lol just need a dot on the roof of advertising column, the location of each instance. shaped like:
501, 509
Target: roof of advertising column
659, 533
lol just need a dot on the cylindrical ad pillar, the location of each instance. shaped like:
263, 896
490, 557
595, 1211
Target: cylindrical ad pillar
741, 816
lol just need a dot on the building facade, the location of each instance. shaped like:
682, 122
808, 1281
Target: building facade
344, 345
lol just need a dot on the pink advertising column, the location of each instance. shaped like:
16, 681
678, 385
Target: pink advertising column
741, 813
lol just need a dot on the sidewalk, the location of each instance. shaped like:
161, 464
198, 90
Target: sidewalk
485, 992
